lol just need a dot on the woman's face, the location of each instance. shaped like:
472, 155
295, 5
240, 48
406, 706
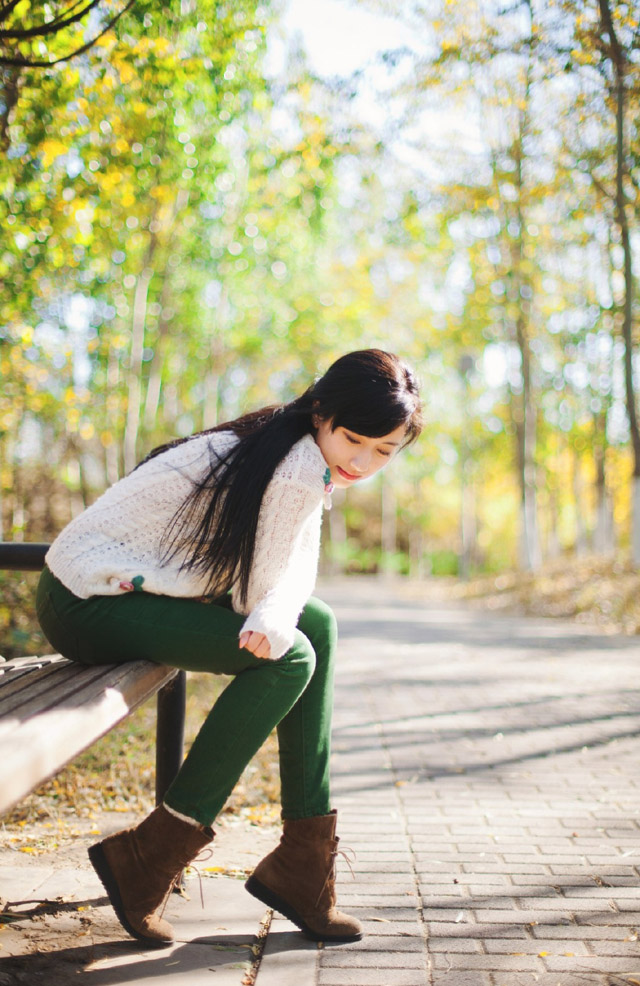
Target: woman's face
351, 456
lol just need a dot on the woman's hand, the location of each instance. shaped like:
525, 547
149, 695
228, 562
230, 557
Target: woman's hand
257, 643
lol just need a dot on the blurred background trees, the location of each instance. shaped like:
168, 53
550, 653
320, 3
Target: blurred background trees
188, 231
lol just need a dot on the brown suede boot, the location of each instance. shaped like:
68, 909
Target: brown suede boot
298, 879
139, 866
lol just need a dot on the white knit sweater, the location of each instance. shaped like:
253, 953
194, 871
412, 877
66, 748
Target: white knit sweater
119, 537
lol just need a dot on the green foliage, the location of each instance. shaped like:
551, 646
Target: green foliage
185, 239
20, 632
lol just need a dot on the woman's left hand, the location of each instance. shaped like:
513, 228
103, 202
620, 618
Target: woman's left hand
257, 643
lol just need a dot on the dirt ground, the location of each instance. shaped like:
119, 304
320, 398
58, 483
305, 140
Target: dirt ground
51, 902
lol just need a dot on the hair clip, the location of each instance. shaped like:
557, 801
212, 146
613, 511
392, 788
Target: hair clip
328, 488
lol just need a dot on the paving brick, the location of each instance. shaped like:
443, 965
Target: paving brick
593, 963
518, 946
341, 959
595, 918
444, 913
438, 866
454, 945
371, 977
554, 979
384, 926
436, 855
585, 932
380, 943
630, 948
558, 902
556, 880
434, 891
367, 912
604, 893
560, 916
485, 866
380, 901
518, 963
484, 880
459, 978
624, 904
483, 932
383, 856
579, 869
382, 866
369, 883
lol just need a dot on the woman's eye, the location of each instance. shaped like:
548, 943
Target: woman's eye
384, 452
354, 441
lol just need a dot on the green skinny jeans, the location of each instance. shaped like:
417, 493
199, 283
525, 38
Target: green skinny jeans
294, 693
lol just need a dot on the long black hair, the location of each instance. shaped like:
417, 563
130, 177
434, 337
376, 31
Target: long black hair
370, 392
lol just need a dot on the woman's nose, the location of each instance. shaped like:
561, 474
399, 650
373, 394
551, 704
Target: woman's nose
361, 461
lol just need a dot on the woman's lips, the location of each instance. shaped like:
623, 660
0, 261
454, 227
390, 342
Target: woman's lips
346, 475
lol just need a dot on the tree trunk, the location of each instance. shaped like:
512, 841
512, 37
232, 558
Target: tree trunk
526, 428
111, 452
525, 416
553, 538
389, 524
337, 533
154, 385
581, 542
211, 402
618, 58
602, 529
468, 530
134, 387
10, 76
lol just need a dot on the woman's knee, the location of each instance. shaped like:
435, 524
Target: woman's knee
300, 659
318, 623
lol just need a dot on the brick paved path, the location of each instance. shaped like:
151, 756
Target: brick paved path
486, 773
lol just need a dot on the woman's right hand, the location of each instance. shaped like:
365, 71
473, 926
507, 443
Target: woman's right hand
257, 643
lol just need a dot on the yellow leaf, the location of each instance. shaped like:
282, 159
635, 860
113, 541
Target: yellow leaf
51, 149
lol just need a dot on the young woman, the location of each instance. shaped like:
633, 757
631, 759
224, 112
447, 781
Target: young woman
204, 558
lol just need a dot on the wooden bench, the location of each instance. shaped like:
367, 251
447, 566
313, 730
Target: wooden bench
52, 709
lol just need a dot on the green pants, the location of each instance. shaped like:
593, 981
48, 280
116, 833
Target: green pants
294, 693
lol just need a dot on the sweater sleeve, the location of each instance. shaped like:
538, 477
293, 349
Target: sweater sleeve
284, 564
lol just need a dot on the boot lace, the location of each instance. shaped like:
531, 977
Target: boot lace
202, 857
331, 875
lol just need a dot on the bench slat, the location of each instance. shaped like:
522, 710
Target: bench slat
33, 749
41, 688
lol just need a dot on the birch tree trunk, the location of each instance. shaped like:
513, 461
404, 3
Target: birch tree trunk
619, 61
211, 403
337, 532
111, 454
581, 535
134, 387
520, 294
389, 524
